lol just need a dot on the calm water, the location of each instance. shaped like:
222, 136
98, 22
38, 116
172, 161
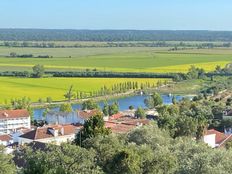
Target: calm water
124, 104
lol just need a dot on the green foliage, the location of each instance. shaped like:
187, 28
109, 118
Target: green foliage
66, 107
70, 93
105, 109
154, 100
113, 109
89, 105
64, 159
140, 113
92, 127
38, 71
6, 164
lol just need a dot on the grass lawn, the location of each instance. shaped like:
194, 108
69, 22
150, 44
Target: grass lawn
12, 87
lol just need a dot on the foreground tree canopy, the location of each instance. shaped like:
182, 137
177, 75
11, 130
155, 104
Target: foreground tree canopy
146, 150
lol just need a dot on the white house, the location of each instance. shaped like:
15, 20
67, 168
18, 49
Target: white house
74, 117
215, 138
5, 140
10, 120
55, 134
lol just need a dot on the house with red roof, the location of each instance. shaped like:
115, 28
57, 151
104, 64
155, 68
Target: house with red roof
10, 120
55, 134
5, 140
215, 138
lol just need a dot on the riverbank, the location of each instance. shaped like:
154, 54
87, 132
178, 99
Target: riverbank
79, 101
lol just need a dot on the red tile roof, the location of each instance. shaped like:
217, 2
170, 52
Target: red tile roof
5, 137
116, 116
87, 113
221, 138
119, 128
20, 113
125, 125
43, 132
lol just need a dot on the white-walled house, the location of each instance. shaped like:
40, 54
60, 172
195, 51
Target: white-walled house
10, 120
55, 134
215, 138
5, 140
75, 117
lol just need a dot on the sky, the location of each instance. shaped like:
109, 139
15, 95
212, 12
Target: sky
117, 14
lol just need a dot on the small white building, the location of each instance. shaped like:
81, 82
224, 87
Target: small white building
75, 117
5, 140
55, 134
215, 138
10, 120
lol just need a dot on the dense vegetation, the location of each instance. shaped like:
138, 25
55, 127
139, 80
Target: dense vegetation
145, 150
112, 35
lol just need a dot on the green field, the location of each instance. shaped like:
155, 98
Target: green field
55, 87
142, 59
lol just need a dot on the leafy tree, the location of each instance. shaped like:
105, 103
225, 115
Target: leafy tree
7, 166
140, 113
49, 100
89, 105
149, 102
113, 109
38, 71
70, 93
64, 159
66, 107
93, 127
105, 109
131, 107
153, 101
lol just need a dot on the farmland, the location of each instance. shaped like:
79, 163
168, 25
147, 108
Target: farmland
118, 59
11, 88
132, 59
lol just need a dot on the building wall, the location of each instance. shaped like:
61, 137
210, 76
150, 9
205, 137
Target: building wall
210, 140
54, 140
9, 125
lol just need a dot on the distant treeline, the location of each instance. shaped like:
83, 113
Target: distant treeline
176, 45
113, 35
111, 74
15, 55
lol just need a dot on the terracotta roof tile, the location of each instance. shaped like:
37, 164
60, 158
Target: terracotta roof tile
20, 113
116, 116
87, 113
44, 132
220, 137
5, 137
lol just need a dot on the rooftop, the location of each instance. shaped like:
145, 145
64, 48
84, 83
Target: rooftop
5, 137
46, 131
20, 113
220, 138
86, 114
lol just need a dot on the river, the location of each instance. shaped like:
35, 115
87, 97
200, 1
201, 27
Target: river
124, 104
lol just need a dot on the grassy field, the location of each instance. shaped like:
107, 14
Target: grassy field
116, 59
55, 87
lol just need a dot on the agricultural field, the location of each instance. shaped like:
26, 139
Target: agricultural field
130, 59
33, 88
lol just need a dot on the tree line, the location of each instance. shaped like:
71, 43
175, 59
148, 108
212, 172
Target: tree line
113, 35
175, 45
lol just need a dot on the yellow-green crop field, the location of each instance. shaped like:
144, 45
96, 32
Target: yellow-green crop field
11, 87
132, 59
